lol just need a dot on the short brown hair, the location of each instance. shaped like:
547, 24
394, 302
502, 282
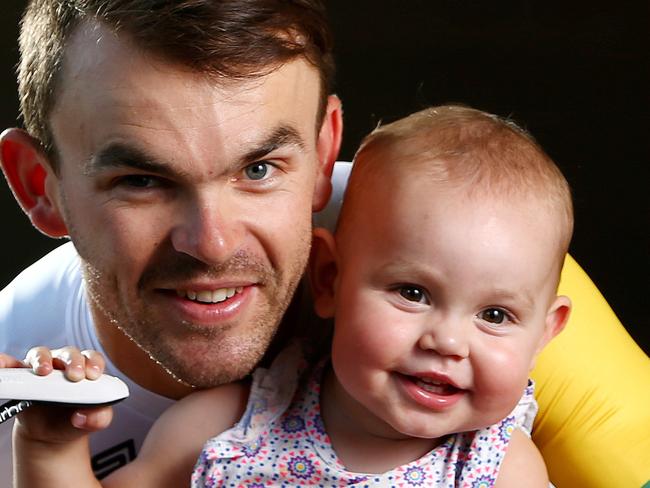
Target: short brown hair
458, 145
235, 39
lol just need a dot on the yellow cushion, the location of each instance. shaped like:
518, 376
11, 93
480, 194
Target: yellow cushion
593, 389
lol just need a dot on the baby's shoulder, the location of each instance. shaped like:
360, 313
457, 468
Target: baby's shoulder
523, 464
205, 413
175, 441
226, 403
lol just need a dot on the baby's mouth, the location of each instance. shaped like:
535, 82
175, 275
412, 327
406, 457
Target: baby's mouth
431, 385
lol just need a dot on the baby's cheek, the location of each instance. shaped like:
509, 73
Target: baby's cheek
500, 383
365, 330
359, 346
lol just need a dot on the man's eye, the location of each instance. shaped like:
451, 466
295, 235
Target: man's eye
493, 315
413, 293
139, 181
257, 171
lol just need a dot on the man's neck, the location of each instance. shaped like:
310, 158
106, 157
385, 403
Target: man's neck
132, 361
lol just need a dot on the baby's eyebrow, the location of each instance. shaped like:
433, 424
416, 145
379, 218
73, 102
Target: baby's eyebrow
523, 297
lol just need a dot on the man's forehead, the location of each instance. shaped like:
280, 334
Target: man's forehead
111, 89
96, 58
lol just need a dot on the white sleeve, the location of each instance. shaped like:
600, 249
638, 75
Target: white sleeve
328, 216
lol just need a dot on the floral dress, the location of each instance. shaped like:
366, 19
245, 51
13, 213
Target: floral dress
281, 442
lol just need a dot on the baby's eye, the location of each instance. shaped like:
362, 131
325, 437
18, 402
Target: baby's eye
413, 293
257, 170
493, 315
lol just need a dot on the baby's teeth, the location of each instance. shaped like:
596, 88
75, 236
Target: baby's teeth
191, 294
432, 387
430, 381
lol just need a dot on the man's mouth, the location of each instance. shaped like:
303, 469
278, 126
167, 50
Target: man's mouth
209, 296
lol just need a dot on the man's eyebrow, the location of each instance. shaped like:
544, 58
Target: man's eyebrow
282, 136
120, 155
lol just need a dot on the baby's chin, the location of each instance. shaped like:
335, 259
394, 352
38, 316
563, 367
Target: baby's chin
438, 428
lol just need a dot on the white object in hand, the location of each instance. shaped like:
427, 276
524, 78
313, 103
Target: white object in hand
24, 384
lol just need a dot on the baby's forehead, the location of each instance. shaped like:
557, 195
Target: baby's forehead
514, 171
431, 182
383, 177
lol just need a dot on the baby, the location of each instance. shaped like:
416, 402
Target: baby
441, 278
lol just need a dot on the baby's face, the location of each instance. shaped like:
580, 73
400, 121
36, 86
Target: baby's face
441, 303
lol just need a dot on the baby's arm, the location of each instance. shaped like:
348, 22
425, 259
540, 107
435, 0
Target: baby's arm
523, 464
51, 450
174, 443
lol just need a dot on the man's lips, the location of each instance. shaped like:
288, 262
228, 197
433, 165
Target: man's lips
209, 306
217, 295
206, 290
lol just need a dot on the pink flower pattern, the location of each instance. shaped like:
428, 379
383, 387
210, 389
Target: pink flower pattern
288, 447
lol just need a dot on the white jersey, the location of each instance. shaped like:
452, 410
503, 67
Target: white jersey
46, 305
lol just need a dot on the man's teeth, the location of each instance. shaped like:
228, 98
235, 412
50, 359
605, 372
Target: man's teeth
209, 296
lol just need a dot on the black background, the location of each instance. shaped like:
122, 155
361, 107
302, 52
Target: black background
576, 74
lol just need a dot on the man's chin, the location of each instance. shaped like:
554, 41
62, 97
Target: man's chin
225, 361
211, 378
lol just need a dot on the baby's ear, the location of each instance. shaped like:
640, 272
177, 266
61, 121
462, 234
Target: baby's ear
556, 319
323, 271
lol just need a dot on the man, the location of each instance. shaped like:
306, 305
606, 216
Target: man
182, 146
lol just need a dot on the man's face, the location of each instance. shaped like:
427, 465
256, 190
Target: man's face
188, 200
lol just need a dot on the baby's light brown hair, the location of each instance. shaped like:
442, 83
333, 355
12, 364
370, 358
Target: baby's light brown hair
457, 146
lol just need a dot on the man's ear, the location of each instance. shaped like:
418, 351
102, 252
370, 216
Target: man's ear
327, 147
556, 319
323, 272
32, 180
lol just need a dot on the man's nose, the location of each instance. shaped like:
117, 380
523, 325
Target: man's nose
447, 337
207, 231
